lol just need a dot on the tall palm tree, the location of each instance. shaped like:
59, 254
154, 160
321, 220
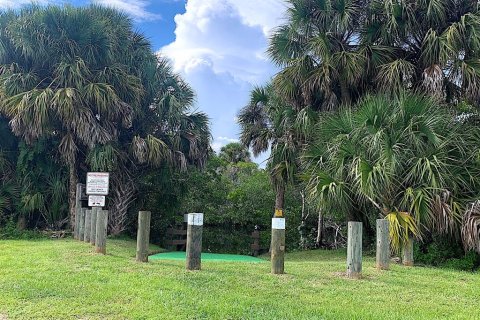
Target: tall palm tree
334, 51
83, 76
267, 123
407, 159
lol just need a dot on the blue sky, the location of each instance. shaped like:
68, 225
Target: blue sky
217, 45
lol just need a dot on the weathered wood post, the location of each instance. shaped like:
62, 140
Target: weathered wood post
278, 243
194, 241
78, 209
383, 244
408, 252
101, 232
354, 250
88, 226
143, 235
81, 227
93, 225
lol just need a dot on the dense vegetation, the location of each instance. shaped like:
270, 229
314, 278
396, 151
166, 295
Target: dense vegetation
84, 92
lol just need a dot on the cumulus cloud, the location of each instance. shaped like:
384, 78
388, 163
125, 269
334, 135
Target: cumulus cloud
137, 9
220, 49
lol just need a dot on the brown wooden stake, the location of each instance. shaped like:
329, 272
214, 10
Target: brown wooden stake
143, 235
383, 244
93, 225
101, 232
78, 205
408, 253
194, 241
277, 245
88, 226
354, 250
81, 227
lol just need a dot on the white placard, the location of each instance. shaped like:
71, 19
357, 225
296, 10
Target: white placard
97, 183
278, 223
185, 218
96, 201
195, 219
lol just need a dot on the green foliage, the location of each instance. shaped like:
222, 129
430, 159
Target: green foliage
11, 232
234, 152
406, 154
446, 253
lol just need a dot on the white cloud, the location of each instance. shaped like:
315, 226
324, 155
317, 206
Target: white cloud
220, 50
15, 4
137, 9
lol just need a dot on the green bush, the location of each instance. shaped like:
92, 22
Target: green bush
11, 232
446, 253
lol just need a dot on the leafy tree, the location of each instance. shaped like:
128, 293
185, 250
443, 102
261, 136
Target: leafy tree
407, 159
235, 152
84, 77
334, 52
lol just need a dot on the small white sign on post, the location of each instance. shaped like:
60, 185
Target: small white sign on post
96, 201
97, 183
278, 223
195, 219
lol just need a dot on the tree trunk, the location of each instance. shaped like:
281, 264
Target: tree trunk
72, 190
302, 226
123, 196
280, 198
318, 241
344, 92
22, 222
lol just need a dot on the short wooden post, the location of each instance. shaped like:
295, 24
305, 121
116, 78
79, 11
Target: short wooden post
383, 245
278, 245
408, 252
93, 225
256, 243
81, 227
194, 241
76, 230
101, 232
354, 250
143, 235
88, 227
78, 206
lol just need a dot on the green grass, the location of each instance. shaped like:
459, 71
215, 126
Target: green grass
63, 279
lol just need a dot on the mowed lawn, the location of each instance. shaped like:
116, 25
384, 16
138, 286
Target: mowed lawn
63, 279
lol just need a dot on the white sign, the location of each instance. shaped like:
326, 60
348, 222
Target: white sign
278, 223
195, 219
96, 201
97, 183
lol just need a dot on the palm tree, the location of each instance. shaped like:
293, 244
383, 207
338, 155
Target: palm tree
235, 152
407, 159
267, 123
84, 77
334, 52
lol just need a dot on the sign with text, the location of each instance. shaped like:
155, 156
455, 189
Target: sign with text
97, 183
96, 201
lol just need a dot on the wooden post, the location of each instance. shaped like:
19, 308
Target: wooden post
88, 226
194, 241
408, 253
143, 235
81, 227
256, 243
278, 244
101, 232
354, 250
383, 245
78, 206
93, 225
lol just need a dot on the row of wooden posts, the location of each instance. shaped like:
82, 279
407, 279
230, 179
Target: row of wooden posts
91, 227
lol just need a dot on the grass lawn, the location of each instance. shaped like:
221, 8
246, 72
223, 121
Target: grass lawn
63, 279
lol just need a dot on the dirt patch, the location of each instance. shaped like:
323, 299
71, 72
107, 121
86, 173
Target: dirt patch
3, 316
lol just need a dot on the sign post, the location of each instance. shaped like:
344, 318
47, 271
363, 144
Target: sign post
96, 189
